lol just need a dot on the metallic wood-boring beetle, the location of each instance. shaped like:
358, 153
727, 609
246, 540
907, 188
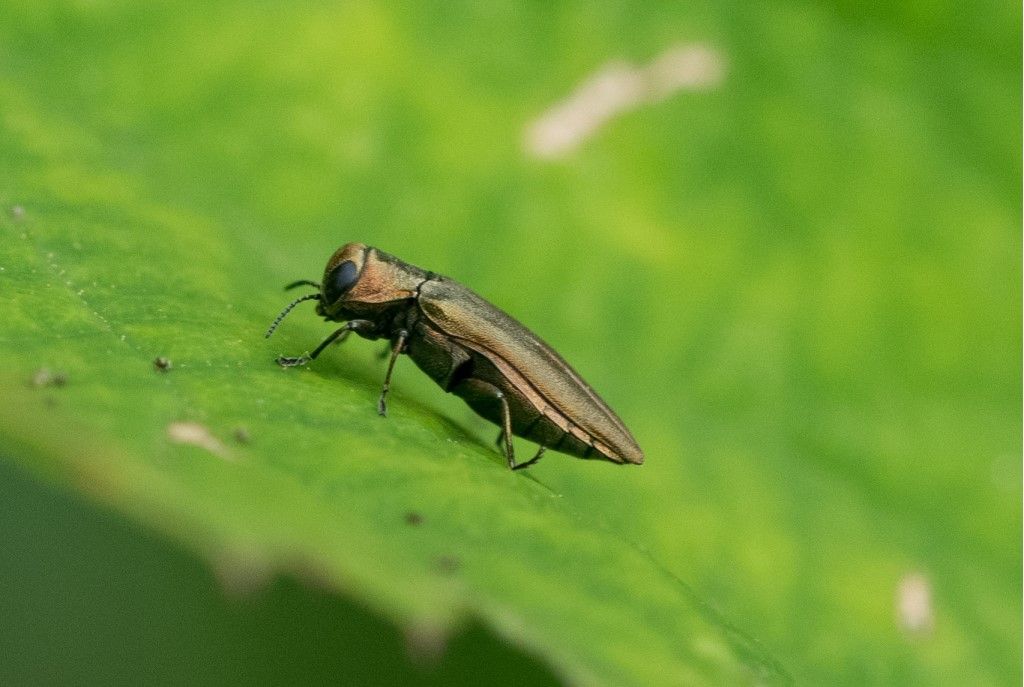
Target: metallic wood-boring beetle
471, 349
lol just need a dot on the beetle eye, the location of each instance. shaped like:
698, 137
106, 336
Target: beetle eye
340, 280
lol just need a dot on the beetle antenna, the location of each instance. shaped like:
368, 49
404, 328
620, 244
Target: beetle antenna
288, 309
302, 282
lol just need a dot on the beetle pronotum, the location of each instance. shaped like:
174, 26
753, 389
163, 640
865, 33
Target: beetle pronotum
470, 348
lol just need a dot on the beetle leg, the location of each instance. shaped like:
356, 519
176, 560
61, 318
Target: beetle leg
358, 326
540, 452
471, 390
396, 350
500, 441
506, 428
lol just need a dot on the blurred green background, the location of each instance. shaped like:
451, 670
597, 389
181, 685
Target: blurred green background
798, 283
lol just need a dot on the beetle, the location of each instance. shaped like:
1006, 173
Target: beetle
470, 348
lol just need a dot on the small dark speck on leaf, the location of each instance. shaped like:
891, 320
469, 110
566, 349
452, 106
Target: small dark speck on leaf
162, 364
413, 518
44, 377
241, 435
446, 565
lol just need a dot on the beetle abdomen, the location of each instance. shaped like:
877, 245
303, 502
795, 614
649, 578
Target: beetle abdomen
533, 418
526, 366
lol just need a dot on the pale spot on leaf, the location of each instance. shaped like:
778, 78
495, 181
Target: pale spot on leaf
196, 434
914, 604
425, 643
616, 88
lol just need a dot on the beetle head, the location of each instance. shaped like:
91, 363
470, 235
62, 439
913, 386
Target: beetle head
360, 281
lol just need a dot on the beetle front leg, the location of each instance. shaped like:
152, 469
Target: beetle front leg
396, 350
358, 326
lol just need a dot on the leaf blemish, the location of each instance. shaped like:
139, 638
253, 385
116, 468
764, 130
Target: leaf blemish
425, 644
617, 88
446, 565
914, 604
44, 377
196, 434
413, 518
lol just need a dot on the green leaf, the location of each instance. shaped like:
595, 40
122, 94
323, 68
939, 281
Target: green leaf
409, 514
797, 287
